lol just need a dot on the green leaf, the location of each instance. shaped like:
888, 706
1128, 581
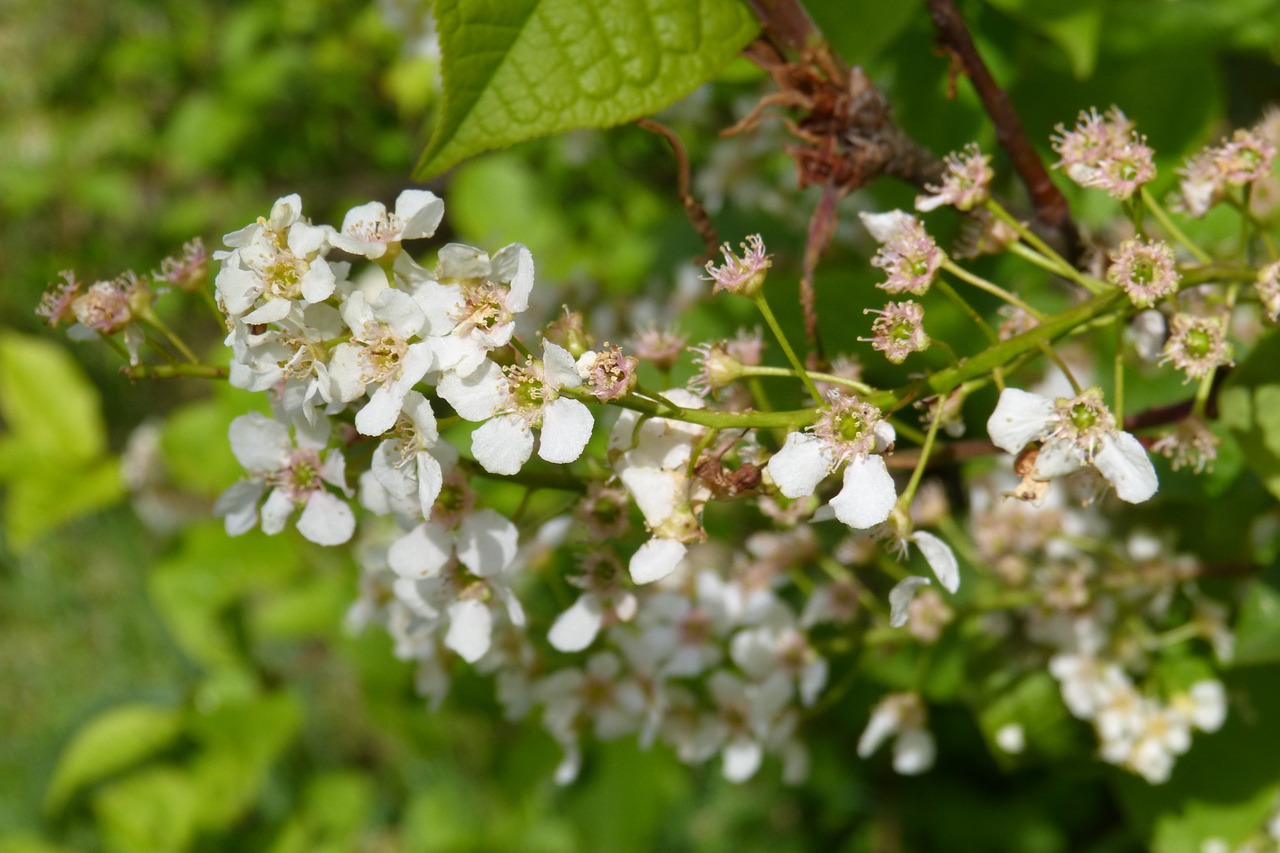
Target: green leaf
195, 589
1257, 627
53, 456
1250, 408
149, 811
241, 743
113, 741
521, 69
1075, 26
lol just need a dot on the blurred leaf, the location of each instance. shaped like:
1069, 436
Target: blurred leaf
54, 453
209, 573
1034, 703
1075, 26
29, 843
197, 452
151, 811
527, 68
241, 743
1257, 626
1250, 408
335, 808
111, 742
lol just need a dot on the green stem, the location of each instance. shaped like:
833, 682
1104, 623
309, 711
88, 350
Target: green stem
909, 493
765, 311
171, 371
1058, 264
149, 316
1172, 229
763, 370
1117, 404
994, 289
968, 310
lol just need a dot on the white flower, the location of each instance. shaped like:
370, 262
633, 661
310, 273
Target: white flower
901, 715
382, 352
274, 263
1074, 432
403, 464
504, 443
294, 473
369, 229
850, 433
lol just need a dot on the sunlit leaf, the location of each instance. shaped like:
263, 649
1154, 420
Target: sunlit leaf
110, 743
526, 68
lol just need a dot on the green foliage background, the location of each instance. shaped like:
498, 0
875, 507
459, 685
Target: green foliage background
195, 692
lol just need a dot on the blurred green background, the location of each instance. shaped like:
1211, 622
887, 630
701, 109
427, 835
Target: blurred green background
170, 691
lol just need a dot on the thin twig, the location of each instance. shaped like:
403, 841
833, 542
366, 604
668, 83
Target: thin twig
692, 207
1050, 204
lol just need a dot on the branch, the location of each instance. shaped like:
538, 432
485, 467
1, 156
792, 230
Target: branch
1050, 204
692, 207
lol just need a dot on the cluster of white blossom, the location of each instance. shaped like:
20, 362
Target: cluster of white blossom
719, 646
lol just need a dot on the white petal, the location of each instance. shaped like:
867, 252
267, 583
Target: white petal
271, 311
487, 542
913, 752
422, 552
400, 311
326, 519
259, 443
460, 261
514, 263
900, 596
276, 511
655, 491
1019, 419
418, 408
476, 395
1057, 458
470, 629
742, 758
575, 628
239, 505
318, 282
885, 226
558, 365
800, 465
1124, 462
502, 445
656, 559
430, 481
420, 211
884, 722
346, 373
868, 495
566, 429
940, 558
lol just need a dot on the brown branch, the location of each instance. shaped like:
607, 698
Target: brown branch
822, 227
1050, 204
692, 207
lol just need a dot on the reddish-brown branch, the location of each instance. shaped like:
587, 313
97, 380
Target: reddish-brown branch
1050, 204
692, 207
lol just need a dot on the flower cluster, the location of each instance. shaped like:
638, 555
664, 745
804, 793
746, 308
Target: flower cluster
1105, 152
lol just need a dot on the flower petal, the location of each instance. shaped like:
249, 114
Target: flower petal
1019, 418
470, 629
566, 429
502, 445
900, 596
656, 559
422, 552
326, 519
1124, 462
800, 465
487, 542
940, 558
578, 626
868, 495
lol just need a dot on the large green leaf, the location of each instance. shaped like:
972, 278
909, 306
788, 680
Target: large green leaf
519, 69
53, 455
118, 739
1250, 407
